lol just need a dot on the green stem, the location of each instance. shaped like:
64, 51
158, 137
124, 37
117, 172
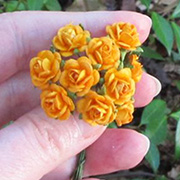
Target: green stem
123, 55
78, 173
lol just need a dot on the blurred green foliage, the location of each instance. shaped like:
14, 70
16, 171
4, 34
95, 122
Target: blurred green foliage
166, 31
163, 31
154, 117
20, 5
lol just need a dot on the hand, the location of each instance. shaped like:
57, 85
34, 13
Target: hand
35, 146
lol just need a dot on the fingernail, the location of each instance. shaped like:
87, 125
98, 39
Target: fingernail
157, 85
147, 142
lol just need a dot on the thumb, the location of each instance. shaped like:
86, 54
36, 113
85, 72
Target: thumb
35, 144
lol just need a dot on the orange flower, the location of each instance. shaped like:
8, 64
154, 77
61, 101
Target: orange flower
96, 109
125, 35
69, 38
103, 51
119, 85
45, 67
56, 103
79, 76
125, 113
137, 68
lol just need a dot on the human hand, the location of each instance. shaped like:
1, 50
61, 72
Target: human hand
35, 146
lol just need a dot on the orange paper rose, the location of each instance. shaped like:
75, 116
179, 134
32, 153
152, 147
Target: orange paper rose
78, 76
119, 85
96, 109
45, 67
125, 113
69, 38
137, 68
56, 103
103, 51
125, 35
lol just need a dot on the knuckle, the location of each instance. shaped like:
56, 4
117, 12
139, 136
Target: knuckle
43, 137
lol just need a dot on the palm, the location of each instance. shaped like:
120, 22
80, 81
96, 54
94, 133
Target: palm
35, 145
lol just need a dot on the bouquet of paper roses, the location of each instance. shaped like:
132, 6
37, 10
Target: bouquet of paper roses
94, 75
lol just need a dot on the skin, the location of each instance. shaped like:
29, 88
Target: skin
37, 147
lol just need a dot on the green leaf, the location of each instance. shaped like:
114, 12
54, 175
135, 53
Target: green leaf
176, 13
156, 108
146, 3
102, 90
76, 51
176, 30
177, 141
35, 4
72, 95
175, 56
177, 83
52, 49
112, 125
53, 5
150, 53
101, 81
155, 119
175, 115
153, 157
157, 129
161, 178
21, 7
62, 63
88, 39
97, 66
123, 54
138, 51
11, 6
163, 31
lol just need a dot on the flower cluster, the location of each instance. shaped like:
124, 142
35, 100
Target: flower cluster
96, 76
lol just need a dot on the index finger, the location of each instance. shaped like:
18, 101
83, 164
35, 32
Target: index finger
23, 34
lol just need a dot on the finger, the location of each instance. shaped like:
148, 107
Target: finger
30, 32
116, 149
146, 89
18, 96
34, 145
63, 171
